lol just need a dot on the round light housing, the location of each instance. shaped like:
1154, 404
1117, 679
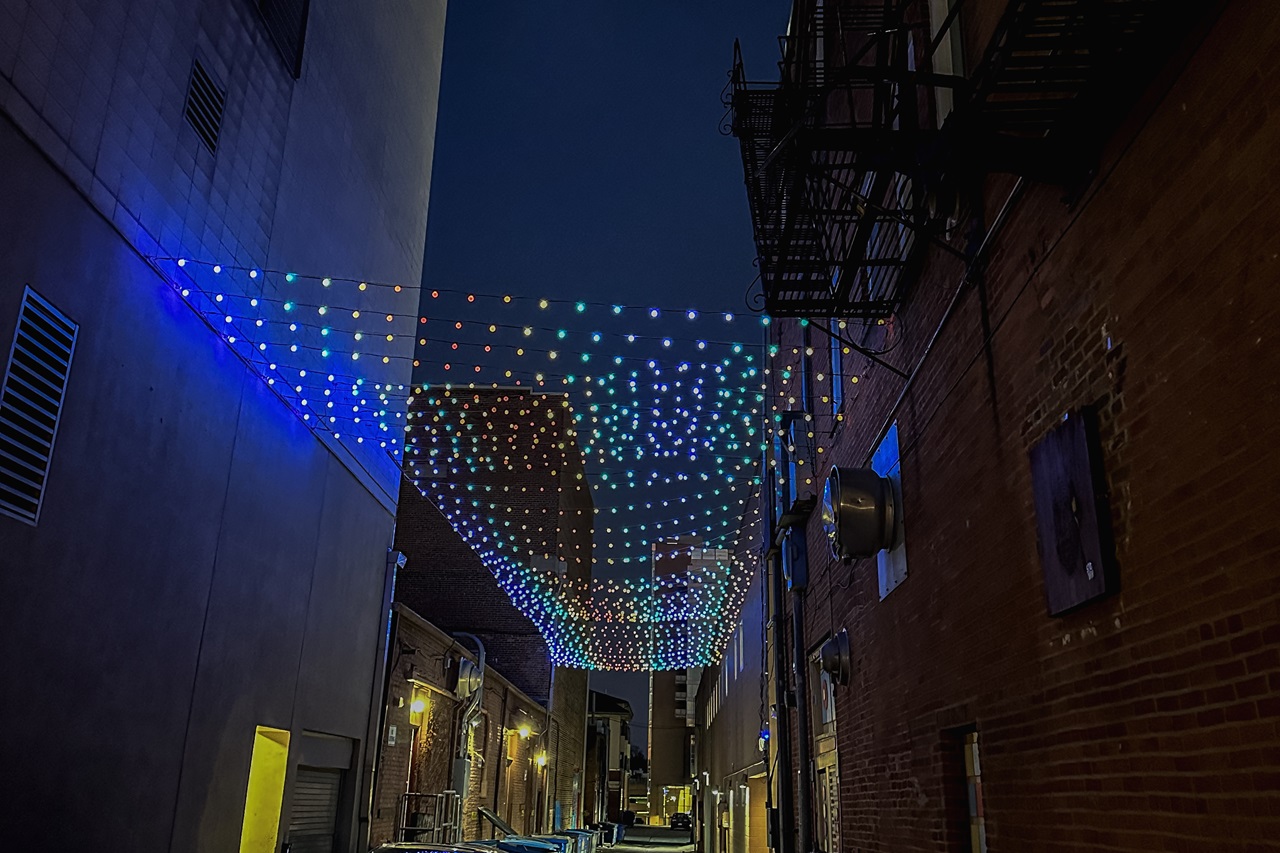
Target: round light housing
859, 512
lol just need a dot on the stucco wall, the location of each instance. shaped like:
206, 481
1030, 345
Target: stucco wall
203, 563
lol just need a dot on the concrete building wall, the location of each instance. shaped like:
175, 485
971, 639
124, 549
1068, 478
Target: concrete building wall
1144, 719
221, 566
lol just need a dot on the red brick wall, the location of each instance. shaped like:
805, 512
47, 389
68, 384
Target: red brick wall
496, 783
1147, 720
569, 713
435, 737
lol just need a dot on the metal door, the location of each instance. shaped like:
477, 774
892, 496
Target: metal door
313, 819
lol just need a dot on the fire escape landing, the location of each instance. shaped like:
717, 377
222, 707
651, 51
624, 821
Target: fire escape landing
844, 158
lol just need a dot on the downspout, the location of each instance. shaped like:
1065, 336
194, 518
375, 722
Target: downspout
795, 556
540, 776
781, 819
462, 756
382, 688
785, 826
502, 757
795, 551
582, 774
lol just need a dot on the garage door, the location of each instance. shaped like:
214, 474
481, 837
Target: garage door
313, 820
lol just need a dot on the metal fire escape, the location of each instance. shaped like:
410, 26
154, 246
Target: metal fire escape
843, 156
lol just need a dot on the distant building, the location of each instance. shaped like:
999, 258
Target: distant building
195, 578
426, 731
677, 565
507, 451
608, 757
733, 723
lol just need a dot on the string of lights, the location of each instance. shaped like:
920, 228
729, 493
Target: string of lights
664, 411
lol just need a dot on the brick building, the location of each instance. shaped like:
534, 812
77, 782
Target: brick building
525, 461
608, 757
421, 739
194, 583
1049, 289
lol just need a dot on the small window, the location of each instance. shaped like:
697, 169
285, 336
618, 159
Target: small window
948, 56
286, 21
837, 374
891, 564
976, 829
31, 404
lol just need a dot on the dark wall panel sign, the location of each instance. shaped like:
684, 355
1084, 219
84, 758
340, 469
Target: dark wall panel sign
1072, 519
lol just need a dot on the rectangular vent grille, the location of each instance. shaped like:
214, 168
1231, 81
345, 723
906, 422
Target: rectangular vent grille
286, 21
205, 100
31, 404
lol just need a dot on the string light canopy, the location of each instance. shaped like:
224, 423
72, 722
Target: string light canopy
556, 436
519, 494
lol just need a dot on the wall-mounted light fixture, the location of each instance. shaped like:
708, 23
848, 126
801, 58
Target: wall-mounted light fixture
859, 512
837, 659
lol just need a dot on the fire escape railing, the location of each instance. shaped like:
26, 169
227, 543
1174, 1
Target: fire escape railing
843, 154
835, 155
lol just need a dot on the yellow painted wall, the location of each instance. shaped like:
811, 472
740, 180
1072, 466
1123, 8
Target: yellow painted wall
265, 791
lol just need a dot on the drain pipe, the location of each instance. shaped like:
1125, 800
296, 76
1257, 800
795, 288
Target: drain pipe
784, 840
795, 553
374, 742
462, 753
975, 264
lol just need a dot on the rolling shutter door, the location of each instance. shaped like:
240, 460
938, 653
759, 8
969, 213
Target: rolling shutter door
314, 816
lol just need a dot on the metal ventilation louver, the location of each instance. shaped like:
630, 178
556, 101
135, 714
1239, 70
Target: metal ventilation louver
31, 403
205, 100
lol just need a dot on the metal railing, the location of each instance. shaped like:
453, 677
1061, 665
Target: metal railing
435, 818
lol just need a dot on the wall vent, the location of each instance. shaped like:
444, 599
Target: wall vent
31, 404
205, 100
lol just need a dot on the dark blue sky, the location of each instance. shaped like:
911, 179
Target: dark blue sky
579, 156
578, 151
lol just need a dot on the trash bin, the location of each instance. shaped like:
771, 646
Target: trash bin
563, 843
525, 844
586, 839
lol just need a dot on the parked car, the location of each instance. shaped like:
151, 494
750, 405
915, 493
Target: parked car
681, 820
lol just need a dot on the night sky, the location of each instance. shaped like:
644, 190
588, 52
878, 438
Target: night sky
579, 156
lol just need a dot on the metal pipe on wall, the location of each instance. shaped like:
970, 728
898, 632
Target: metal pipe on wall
784, 840
796, 551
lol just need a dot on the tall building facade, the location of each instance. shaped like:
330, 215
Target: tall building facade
1017, 256
195, 573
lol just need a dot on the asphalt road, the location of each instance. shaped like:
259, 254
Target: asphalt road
654, 839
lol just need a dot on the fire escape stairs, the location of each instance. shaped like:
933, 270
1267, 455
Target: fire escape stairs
844, 164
